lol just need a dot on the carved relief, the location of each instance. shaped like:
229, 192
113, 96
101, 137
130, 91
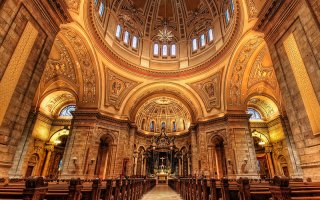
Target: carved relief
239, 68
59, 64
86, 66
252, 10
73, 5
260, 73
209, 91
117, 88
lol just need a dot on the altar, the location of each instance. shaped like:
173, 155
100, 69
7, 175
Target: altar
162, 179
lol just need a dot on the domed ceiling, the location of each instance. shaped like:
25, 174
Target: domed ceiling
165, 112
164, 36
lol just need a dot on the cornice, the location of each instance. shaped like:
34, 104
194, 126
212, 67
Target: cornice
273, 15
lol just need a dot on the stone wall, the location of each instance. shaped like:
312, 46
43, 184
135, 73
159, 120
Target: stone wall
300, 18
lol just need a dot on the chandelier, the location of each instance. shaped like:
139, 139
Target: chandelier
164, 35
162, 142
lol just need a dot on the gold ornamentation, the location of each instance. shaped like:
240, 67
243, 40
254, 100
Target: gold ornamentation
62, 66
209, 91
304, 84
239, 68
86, 66
260, 73
73, 5
117, 88
15, 67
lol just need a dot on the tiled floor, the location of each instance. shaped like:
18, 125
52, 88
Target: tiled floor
161, 192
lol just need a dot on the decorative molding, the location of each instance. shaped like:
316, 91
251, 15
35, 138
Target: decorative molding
61, 66
252, 10
260, 73
73, 5
239, 68
86, 66
118, 88
209, 90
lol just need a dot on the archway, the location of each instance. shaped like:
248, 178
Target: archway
32, 165
219, 157
104, 158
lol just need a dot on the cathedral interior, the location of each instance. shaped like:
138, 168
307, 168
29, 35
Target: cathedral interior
160, 89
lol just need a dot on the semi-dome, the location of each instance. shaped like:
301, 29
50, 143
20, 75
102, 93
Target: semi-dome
164, 36
163, 112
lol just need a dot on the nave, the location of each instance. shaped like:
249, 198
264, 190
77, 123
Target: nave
161, 192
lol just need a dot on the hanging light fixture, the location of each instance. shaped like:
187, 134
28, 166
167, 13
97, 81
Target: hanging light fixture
262, 143
164, 35
56, 142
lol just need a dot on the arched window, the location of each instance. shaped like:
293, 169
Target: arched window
126, 37
66, 111
174, 126
118, 31
255, 115
101, 9
95, 2
210, 35
203, 40
195, 44
152, 126
227, 14
163, 125
134, 43
165, 50
156, 49
232, 5
173, 50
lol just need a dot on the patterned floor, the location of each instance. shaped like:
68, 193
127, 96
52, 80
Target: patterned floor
161, 192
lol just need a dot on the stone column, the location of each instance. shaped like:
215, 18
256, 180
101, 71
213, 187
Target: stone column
49, 148
194, 151
130, 151
26, 38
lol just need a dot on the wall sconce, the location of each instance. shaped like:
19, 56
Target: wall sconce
245, 160
74, 159
92, 161
229, 161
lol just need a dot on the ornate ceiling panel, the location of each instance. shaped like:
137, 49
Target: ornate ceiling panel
59, 64
209, 91
163, 111
118, 88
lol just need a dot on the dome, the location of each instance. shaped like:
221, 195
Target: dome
163, 112
164, 37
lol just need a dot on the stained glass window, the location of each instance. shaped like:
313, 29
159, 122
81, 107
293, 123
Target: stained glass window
173, 50
66, 111
60, 165
155, 49
118, 31
165, 50
232, 5
202, 40
210, 35
255, 115
101, 9
126, 37
194, 44
134, 42
227, 14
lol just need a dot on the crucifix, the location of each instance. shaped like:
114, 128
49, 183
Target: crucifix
162, 160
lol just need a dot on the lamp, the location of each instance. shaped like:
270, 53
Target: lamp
92, 161
56, 142
262, 143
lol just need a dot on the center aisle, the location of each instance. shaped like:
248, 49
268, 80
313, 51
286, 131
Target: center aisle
161, 192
